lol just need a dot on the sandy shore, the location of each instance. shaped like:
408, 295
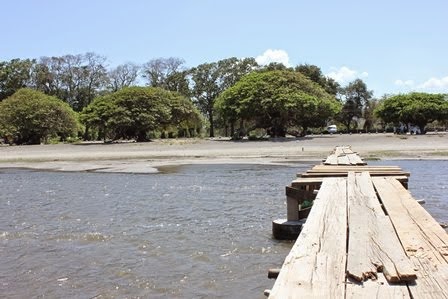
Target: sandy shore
147, 157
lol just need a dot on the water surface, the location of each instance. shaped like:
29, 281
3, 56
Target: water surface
197, 231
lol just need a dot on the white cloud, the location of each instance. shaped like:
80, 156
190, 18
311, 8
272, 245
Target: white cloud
279, 56
407, 83
345, 74
435, 84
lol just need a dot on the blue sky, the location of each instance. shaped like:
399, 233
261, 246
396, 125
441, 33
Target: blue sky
394, 46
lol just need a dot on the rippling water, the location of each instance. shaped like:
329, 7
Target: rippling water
198, 231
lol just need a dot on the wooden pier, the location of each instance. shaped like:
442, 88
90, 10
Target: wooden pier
364, 237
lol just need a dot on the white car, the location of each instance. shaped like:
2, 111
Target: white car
332, 129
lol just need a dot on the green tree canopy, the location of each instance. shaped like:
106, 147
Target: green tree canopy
30, 116
357, 98
414, 108
209, 80
134, 112
314, 73
14, 75
275, 100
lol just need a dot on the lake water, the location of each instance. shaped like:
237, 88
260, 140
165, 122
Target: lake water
197, 231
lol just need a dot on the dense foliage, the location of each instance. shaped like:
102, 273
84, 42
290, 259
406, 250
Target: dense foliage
30, 116
357, 100
276, 100
217, 96
136, 112
211, 79
414, 109
14, 75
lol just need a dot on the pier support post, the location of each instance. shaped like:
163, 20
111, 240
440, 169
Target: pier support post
282, 229
292, 209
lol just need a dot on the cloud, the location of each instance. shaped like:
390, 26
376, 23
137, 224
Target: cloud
345, 74
364, 74
435, 84
279, 56
406, 83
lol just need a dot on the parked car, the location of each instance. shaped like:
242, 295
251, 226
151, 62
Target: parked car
332, 129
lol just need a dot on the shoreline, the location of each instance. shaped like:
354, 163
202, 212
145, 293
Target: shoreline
147, 157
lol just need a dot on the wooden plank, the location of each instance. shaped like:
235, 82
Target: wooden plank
304, 181
343, 160
373, 245
331, 160
355, 167
361, 261
300, 182
397, 200
386, 171
358, 168
315, 267
375, 289
299, 195
355, 159
425, 242
343, 174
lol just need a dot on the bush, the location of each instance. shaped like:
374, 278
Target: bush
32, 117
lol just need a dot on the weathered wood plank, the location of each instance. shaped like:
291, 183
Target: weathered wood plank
343, 160
299, 195
331, 160
315, 267
361, 261
376, 289
425, 242
301, 181
354, 159
356, 167
373, 245
386, 171
343, 174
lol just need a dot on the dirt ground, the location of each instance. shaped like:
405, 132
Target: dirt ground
146, 157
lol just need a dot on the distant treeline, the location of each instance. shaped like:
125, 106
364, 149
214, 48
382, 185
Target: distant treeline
164, 98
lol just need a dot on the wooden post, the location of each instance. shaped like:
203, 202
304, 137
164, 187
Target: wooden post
292, 208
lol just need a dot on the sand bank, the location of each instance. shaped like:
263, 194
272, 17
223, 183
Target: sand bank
147, 157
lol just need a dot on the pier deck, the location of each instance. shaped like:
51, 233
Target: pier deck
364, 237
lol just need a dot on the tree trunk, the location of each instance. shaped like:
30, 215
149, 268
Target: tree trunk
348, 126
212, 124
86, 133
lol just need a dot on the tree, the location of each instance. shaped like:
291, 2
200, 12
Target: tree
414, 109
123, 76
185, 118
357, 97
211, 79
76, 79
47, 76
275, 66
167, 73
314, 73
276, 100
135, 112
14, 75
30, 116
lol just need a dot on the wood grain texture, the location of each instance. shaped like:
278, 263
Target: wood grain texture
423, 239
315, 267
376, 289
373, 244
